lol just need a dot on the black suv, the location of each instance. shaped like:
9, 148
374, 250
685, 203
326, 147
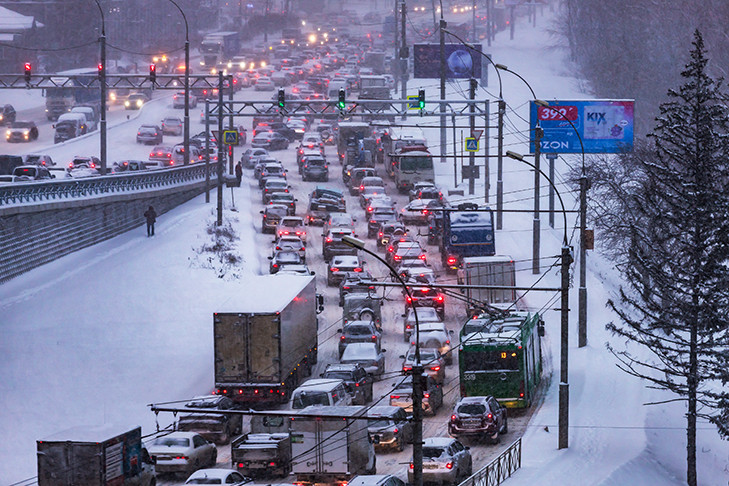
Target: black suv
315, 168
478, 417
355, 378
7, 114
333, 245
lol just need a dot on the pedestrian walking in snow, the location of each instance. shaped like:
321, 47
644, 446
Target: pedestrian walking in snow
238, 172
151, 216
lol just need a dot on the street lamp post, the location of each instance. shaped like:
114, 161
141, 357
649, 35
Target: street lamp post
566, 261
186, 139
417, 371
102, 82
582, 293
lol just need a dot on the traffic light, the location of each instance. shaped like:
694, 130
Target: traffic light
100, 68
421, 99
281, 99
153, 73
27, 72
341, 104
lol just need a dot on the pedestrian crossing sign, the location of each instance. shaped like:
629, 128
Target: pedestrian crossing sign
413, 103
472, 144
230, 137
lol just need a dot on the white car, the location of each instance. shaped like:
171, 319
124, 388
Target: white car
264, 84
182, 452
218, 476
435, 335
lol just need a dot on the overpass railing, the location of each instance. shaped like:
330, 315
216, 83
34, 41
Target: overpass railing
498, 470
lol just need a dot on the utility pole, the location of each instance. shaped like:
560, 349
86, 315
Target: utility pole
472, 84
582, 293
404, 54
207, 151
564, 387
443, 138
220, 148
538, 133
500, 167
396, 69
230, 123
473, 20
551, 157
102, 155
489, 23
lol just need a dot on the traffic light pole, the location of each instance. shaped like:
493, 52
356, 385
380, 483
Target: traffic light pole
220, 149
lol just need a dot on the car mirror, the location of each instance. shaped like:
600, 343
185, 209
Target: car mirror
313, 273
261, 211
296, 200
402, 356
451, 332
270, 258
403, 315
383, 350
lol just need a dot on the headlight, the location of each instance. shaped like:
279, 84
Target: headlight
139, 103
126, 103
7, 134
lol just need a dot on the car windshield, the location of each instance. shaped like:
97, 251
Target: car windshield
426, 356
416, 163
204, 481
433, 452
380, 423
21, 124
471, 409
288, 257
305, 398
470, 218
282, 196
172, 442
340, 375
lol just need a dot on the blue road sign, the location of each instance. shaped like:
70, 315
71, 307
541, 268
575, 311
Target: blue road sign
472, 144
230, 137
413, 103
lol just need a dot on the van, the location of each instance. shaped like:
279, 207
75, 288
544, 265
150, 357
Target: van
68, 126
8, 163
90, 115
321, 392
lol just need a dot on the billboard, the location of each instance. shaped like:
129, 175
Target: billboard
606, 126
461, 62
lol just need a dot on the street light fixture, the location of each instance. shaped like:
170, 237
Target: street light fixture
186, 136
566, 260
417, 370
582, 293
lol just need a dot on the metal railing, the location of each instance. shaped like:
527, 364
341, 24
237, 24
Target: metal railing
83, 188
499, 469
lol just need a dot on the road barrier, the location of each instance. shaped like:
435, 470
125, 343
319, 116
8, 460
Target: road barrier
499, 469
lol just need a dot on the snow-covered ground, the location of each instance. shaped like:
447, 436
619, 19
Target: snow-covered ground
98, 334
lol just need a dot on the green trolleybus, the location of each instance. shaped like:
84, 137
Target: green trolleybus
502, 357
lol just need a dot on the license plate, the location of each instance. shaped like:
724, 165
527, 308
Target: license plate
430, 466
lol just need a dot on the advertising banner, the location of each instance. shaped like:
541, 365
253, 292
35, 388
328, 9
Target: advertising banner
605, 126
461, 62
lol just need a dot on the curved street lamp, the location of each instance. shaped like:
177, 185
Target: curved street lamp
186, 136
566, 259
417, 371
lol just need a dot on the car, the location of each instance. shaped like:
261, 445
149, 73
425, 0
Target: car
273, 185
376, 480
178, 154
271, 216
445, 461
419, 275
7, 114
213, 426
282, 259
21, 131
339, 264
25, 173
389, 230
421, 296
378, 216
250, 157
126, 166
340, 220
479, 418
270, 141
363, 306
406, 250
371, 181
182, 452
299, 127
355, 379
417, 211
425, 314
368, 193
435, 335
284, 198
402, 395
264, 84
268, 168
320, 208
315, 168
172, 125
303, 153
409, 266
379, 202
135, 101
354, 175
358, 332
392, 430
433, 363
356, 282
320, 392
368, 355
39, 159
290, 243
80, 160
149, 134
296, 269
178, 100
425, 190
218, 476
163, 153
291, 226
333, 244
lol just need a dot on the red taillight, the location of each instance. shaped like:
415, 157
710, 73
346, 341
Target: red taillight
334, 269
422, 257
374, 338
412, 466
342, 338
240, 391
92, 165
395, 431
452, 260
407, 368
449, 465
358, 269
409, 300
435, 368
439, 298
380, 234
272, 463
181, 457
397, 258
395, 396
521, 390
426, 395
70, 166
453, 418
329, 240
361, 188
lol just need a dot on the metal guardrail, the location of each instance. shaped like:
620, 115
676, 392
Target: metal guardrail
69, 188
498, 470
